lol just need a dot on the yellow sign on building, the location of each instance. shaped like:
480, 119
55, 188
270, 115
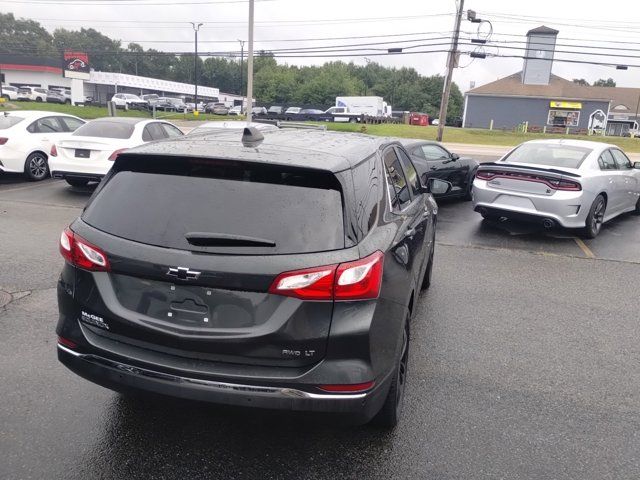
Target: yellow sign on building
574, 105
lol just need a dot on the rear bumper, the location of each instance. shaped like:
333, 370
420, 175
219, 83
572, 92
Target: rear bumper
109, 373
87, 176
565, 209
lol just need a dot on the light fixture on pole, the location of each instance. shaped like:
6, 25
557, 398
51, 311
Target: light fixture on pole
196, 27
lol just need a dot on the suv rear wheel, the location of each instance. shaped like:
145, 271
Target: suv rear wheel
426, 280
389, 414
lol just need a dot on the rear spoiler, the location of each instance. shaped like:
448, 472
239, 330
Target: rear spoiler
517, 168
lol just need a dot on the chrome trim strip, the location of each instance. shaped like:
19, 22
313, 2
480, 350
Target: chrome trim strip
232, 388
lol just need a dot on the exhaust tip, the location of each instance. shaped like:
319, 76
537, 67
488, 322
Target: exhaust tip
548, 223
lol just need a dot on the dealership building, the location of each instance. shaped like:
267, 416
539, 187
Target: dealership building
20, 71
546, 102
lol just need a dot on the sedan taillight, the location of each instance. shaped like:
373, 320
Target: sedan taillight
357, 280
54, 151
3, 140
115, 154
80, 253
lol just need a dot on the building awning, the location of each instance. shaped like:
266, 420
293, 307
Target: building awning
134, 81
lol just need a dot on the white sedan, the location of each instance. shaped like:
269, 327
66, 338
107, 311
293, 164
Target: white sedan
88, 154
26, 138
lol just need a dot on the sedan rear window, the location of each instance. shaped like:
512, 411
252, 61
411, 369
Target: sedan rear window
564, 156
215, 206
105, 129
9, 121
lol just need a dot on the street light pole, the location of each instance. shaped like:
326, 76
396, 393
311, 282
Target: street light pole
196, 27
242, 73
446, 90
250, 64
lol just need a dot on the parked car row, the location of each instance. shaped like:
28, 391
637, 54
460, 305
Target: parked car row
36, 94
270, 301
43, 144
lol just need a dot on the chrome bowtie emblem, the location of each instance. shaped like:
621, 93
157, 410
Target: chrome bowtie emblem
183, 273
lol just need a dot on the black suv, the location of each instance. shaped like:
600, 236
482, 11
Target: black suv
277, 272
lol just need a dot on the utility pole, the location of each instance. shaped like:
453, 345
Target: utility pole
241, 73
196, 27
250, 65
451, 64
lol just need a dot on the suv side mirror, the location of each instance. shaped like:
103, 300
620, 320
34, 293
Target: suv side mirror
455, 156
636, 165
436, 186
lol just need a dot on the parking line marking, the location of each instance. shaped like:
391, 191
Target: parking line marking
25, 187
584, 248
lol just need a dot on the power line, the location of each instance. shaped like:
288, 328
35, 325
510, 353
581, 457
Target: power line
243, 22
131, 3
297, 40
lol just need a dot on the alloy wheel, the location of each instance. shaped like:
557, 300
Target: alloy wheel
598, 216
38, 167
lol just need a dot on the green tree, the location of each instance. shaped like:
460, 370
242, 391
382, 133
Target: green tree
609, 82
276, 84
321, 85
581, 81
24, 37
221, 73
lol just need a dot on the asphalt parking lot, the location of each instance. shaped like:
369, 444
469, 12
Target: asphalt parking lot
524, 363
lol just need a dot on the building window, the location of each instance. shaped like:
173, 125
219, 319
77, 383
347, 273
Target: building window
563, 118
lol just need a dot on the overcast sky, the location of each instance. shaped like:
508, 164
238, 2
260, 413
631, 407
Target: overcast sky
290, 24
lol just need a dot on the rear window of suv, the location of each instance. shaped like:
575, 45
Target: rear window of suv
214, 206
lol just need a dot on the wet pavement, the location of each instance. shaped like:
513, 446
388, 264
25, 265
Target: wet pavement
524, 363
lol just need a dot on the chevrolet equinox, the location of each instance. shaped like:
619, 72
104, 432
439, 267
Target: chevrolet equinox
276, 270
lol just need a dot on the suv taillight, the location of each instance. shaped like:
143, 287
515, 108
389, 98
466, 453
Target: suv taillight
54, 151
80, 253
357, 280
3, 140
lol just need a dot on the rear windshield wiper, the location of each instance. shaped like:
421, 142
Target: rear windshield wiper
207, 239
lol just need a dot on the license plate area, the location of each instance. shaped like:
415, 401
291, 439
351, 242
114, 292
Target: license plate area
82, 153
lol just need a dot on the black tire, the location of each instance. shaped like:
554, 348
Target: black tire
467, 196
595, 217
36, 167
67, 102
38, 99
426, 280
637, 210
77, 182
389, 414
